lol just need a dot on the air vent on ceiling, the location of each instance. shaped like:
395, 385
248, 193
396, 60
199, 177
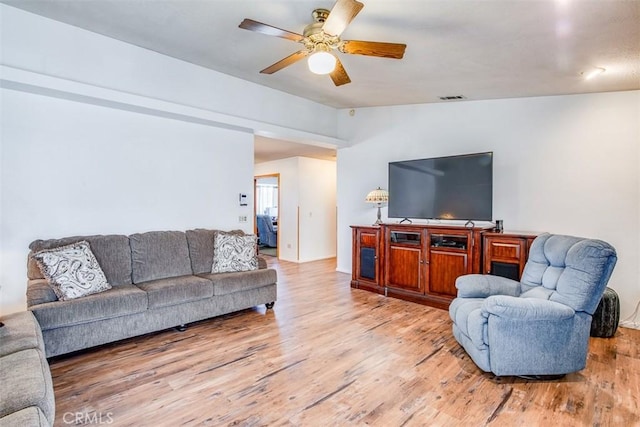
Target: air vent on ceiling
452, 98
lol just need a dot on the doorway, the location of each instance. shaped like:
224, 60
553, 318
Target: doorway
266, 213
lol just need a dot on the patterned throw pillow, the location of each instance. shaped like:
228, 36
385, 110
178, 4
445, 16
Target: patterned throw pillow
72, 270
234, 253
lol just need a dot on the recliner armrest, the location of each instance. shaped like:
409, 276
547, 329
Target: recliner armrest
530, 309
484, 285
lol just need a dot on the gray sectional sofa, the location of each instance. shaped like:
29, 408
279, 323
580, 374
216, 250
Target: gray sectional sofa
159, 280
26, 389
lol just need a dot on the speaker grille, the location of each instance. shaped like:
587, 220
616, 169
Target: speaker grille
503, 269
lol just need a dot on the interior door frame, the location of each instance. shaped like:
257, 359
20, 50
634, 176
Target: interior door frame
255, 206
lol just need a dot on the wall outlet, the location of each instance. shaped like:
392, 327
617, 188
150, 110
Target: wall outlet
242, 218
288, 245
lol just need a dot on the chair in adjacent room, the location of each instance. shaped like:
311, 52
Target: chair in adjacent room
267, 234
538, 327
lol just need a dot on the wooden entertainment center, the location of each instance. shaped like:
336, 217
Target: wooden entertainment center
420, 262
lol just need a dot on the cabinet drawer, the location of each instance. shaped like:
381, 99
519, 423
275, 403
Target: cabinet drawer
368, 239
507, 250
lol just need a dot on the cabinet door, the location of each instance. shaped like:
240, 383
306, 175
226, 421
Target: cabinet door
367, 267
505, 256
404, 265
445, 266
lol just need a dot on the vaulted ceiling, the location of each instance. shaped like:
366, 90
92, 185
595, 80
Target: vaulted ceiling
476, 49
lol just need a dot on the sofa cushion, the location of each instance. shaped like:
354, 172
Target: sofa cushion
176, 290
31, 416
234, 253
539, 292
72, 270
118, 301
228, 283
112, 252
546, 261
20, 332
200, 243
572, 270
589, 266
28, 374
159, 255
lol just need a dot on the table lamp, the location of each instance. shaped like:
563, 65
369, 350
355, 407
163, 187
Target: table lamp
377, 196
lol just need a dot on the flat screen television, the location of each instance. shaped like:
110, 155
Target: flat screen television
454, 187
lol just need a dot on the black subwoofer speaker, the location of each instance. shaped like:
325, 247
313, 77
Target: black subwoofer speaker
503, 269
368, 263
607, 316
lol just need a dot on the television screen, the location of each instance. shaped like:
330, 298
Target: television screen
455, 187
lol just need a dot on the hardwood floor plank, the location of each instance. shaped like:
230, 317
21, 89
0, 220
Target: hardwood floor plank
327, 355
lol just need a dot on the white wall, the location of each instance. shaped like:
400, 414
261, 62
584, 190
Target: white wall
75, 169
144, 141
562, 164
317, 209
307, 212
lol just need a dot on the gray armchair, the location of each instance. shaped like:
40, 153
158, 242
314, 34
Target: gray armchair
539, 326
267, 234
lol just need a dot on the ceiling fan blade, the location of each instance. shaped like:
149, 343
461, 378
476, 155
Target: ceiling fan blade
259, 27
341, 15
339, 75
294, 57
385, 50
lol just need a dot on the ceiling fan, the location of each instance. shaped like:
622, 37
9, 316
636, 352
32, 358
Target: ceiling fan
322, 37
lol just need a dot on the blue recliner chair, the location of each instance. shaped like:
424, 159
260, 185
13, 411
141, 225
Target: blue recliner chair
266, 233
538, 327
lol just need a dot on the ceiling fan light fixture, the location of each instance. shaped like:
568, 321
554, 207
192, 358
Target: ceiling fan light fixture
322, 37
321, 62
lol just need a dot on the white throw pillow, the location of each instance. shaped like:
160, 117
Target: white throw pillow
72, 270
234, 253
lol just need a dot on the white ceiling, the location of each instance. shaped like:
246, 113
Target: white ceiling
479, 49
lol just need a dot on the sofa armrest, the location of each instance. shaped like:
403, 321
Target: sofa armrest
39, 292
529, 309
262, 263
484, 285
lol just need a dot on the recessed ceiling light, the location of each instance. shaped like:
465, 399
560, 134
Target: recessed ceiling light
594, 72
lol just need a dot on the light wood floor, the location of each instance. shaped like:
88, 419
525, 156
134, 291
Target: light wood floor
329, 355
